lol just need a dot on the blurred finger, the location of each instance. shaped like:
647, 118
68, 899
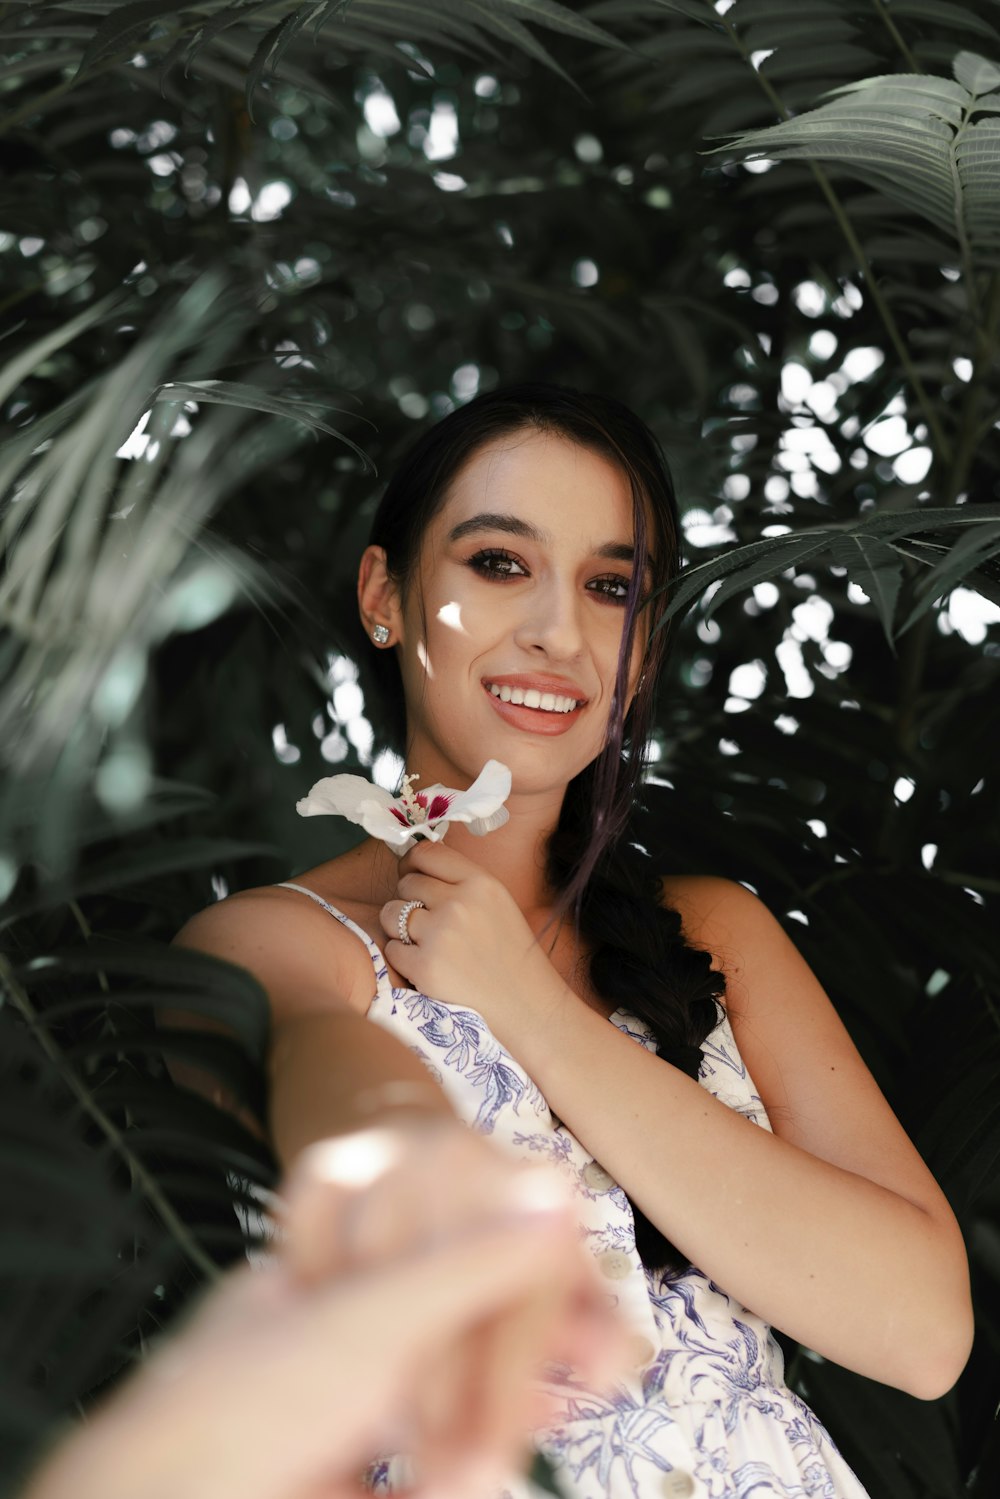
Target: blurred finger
498, 1419
322, 1195
481, 1270
444, 1404
593, 1338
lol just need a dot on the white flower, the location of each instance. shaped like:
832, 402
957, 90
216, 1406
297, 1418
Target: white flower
400, 820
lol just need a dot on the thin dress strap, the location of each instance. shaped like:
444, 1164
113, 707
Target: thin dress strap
382, 983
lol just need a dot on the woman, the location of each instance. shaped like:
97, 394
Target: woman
735, 1164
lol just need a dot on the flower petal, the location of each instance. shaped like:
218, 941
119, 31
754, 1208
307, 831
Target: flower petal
385, 816
484, 797
481, 825
341, 796
381, 822
433, 833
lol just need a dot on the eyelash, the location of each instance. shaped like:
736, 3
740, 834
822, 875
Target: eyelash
480, 561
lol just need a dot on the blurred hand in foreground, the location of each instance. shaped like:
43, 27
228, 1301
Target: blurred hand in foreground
394, 1316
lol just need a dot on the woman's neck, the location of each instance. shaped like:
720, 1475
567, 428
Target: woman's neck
515, 854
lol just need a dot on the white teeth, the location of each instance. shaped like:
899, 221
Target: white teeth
544, 702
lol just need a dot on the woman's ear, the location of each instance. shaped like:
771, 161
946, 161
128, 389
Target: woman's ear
378, 599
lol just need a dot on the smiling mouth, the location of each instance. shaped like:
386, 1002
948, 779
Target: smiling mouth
530, 697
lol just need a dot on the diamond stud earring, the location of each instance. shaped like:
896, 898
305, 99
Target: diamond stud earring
380, 634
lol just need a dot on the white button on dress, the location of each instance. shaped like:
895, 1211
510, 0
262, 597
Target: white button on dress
596, 1178
614, 1264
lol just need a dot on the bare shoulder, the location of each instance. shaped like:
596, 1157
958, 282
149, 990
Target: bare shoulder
305, 958
714, 913
769, 985
817, 1090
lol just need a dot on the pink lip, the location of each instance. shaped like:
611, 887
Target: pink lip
540, 682
532, 720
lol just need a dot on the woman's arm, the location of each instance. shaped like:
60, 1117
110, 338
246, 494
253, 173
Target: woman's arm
333, 1071
832, 1228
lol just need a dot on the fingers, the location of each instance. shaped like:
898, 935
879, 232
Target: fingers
389, 918
357, 1345
321, 1199
273, 1356
593, 1338
422, 1301
439, 860
446, 1303
364, 1199
510, 1361
425, 887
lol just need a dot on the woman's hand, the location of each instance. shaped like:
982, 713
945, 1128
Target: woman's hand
394, 1312
470, 944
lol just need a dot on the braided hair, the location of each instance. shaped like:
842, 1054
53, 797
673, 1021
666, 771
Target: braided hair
640, 961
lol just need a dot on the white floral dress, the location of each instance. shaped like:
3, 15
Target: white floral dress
704, 1412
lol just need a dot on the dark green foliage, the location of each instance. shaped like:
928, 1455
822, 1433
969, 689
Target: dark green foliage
197, 221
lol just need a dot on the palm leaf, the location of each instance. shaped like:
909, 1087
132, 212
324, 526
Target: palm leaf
80, 618
252, 398
128, 870
958, 565
856, 545
169, 28
914, 138
875, 567
150, 975
123, 27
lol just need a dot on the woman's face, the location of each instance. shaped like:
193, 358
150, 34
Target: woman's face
519, 593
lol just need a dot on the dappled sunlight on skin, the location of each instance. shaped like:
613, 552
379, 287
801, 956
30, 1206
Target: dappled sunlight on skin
424, 659
451, 615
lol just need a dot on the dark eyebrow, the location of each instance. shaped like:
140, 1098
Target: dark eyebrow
623, 551
489, 521
513, 525
617, 551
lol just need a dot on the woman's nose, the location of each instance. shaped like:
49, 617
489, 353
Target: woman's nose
552, 624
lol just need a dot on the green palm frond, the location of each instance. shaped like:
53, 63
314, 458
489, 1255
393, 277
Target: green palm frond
928, 143
103, 553
120, 1189
269, 33
870, 549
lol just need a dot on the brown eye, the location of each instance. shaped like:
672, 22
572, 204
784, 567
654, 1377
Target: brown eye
494, 562
612, 587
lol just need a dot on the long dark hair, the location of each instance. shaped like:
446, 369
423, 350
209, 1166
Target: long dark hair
639, 957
